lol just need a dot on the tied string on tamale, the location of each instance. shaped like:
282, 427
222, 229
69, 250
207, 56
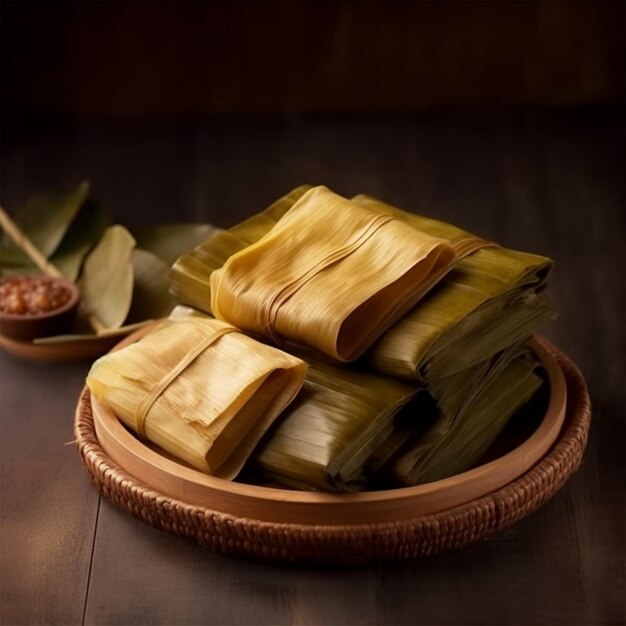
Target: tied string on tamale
274, 302
143, 408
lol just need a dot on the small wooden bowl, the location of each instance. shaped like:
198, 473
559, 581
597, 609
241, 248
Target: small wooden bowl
25, 327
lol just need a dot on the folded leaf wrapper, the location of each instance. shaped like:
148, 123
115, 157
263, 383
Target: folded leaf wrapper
324, 438
331, 275
455, 443
190, 275
200, 390
489, 301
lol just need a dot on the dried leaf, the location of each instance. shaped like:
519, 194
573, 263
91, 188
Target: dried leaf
106, 284
151, 297
84, 232
47, 217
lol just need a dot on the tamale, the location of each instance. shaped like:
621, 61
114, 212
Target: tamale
452, 396
323, 439
189, 278
199, 389
490, 300
331, 275
340, 416
448, 449
190, 274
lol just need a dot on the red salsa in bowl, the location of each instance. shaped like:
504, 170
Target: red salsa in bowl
36, 306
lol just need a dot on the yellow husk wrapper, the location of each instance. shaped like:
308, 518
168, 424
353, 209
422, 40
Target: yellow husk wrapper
331, 275
200, 390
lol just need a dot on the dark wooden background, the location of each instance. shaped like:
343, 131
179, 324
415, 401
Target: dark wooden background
147, 58
543, 178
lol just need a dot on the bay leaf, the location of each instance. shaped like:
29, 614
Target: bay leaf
46, 218
84, 232
170, 241
106, 283
151, 296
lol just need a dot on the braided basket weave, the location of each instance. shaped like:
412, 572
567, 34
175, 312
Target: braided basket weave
349, 543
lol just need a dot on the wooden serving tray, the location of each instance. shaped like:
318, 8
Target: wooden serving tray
281, 525
159, 471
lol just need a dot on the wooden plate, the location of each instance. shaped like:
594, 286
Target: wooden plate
172, 479
84, 349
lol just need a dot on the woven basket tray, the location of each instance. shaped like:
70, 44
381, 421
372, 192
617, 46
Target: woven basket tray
350, 542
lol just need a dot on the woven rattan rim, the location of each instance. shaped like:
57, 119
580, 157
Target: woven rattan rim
354, 543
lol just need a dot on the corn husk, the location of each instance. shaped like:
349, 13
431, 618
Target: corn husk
200, 390
452, 446
191, 273
325, 437
331, 275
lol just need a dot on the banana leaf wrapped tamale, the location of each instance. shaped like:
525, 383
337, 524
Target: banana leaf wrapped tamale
490, 300
324, 438
450, 448
332, 275
199, 389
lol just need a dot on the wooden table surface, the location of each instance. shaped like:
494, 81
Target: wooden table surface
550, 181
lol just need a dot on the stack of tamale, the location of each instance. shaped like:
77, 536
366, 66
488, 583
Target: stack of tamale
414, 332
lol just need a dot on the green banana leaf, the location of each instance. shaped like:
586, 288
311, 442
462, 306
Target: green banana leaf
45, 219
324, 438
450, 448
85, 335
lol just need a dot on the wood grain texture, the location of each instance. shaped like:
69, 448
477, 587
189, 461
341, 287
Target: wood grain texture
48, 509
550, 181
205, 57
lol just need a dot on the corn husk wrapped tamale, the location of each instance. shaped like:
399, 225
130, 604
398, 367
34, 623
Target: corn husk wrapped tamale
324, 438
452, 395
490, 300
331, 275
453, 446
190, 274
199, 389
